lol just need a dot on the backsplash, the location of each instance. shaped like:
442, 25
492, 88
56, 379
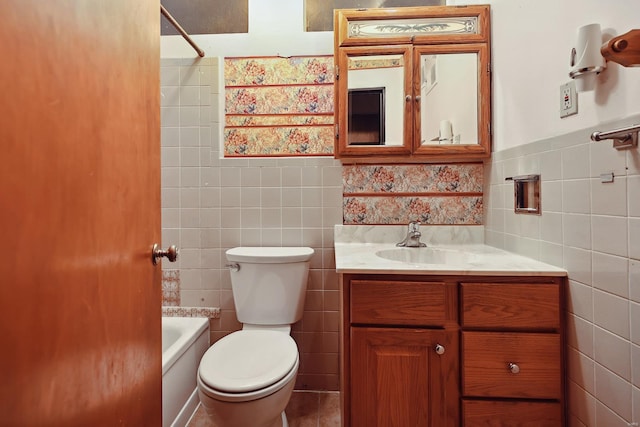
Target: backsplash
397, 194
440, 235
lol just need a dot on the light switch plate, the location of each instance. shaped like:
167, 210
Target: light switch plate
568, 99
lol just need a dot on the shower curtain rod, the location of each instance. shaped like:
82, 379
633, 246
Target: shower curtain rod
184, 34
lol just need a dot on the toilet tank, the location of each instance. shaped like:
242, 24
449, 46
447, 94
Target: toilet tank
269, 287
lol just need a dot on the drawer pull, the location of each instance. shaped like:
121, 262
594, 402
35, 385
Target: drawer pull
514, 368
439, 349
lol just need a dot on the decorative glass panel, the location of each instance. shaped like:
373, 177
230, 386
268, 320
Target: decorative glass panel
319, 13
207, 16
418, 26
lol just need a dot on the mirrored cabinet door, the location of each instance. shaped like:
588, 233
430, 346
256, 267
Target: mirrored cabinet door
451, 116
375, 108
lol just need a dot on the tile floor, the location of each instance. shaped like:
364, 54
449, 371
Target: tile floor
305, 409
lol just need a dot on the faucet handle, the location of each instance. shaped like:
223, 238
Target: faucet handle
414, 226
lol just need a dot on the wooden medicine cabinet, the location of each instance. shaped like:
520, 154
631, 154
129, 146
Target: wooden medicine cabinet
412, 84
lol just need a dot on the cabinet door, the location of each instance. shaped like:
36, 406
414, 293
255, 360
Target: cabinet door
398, 378
451, 114
373, 101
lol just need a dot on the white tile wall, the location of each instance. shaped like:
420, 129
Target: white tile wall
211, 204
593, 230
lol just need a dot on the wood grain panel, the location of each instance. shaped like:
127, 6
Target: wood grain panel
487, 413
397, 379
398, 303
486, 356
80, 168
510, 306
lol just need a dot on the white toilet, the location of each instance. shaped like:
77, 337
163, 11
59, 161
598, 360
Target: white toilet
246, 378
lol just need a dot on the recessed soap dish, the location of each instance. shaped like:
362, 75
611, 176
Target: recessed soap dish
526, 194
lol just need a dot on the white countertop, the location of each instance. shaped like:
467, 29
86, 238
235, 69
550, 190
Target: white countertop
355, 253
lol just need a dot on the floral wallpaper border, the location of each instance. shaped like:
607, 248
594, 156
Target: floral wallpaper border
277, 106
278, 141
279, 100
255, 120
400, 210
278, 70
418, 178
396, 194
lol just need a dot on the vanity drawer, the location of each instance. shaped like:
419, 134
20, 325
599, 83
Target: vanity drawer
484, 413
398, 303
486, 358
512, 306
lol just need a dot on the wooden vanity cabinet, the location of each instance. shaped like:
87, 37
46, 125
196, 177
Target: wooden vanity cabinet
512, 353
443, 351
400, 352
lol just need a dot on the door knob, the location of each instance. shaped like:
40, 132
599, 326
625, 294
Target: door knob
157, 252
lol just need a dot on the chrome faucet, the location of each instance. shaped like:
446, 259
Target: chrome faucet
413, 237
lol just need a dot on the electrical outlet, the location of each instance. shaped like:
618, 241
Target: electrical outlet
568, 99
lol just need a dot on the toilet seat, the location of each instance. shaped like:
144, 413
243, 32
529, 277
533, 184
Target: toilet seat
248, 361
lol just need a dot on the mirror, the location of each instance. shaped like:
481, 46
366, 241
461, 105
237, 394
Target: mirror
448, 93
375, 100
448, 108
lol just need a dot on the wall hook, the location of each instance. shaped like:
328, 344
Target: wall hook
623, 49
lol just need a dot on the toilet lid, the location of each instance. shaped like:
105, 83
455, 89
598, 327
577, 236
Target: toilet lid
248, 360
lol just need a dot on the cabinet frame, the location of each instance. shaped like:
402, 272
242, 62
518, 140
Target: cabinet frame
460, 410
341, 110
460, 151
342, 18
411, 150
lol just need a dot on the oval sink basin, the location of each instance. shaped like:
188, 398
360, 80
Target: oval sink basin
426, 256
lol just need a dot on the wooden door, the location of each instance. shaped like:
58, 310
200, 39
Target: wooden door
79, 211
399, 380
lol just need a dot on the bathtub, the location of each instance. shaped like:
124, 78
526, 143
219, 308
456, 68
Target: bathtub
184, 341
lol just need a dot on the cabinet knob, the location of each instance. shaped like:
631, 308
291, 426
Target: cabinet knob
439, 349
513, 368
407, 98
